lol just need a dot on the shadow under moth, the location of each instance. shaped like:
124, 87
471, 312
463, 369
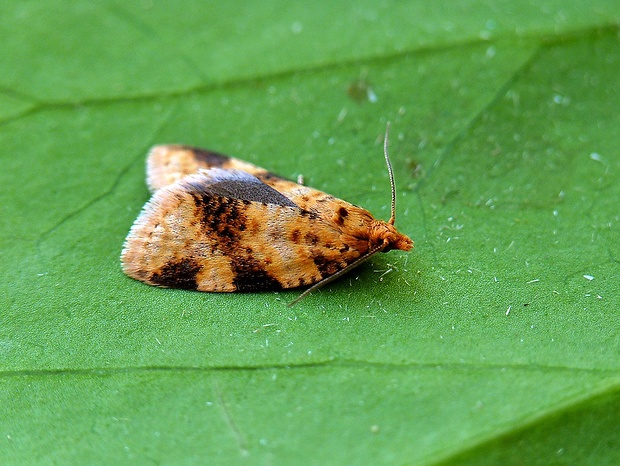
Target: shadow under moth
216, 223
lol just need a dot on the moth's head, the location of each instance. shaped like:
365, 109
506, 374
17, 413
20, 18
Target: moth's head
385, 233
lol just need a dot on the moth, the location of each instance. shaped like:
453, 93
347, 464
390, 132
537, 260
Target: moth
219, 224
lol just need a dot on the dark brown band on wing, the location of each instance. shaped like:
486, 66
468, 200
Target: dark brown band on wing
251, 276
244, 187
180, 274
207, 157
326, 267
227, 219
257, 192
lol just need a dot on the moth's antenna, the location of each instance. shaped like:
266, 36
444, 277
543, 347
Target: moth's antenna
391, 172
373, 251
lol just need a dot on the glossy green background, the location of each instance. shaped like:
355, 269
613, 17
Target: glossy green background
495, 340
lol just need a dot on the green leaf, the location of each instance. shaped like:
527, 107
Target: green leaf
496, 340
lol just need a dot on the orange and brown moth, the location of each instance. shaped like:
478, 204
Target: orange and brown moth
216, 223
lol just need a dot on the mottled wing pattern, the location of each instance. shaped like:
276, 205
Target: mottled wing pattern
167, 164
226, 230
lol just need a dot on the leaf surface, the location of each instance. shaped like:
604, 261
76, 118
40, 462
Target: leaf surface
497, 339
